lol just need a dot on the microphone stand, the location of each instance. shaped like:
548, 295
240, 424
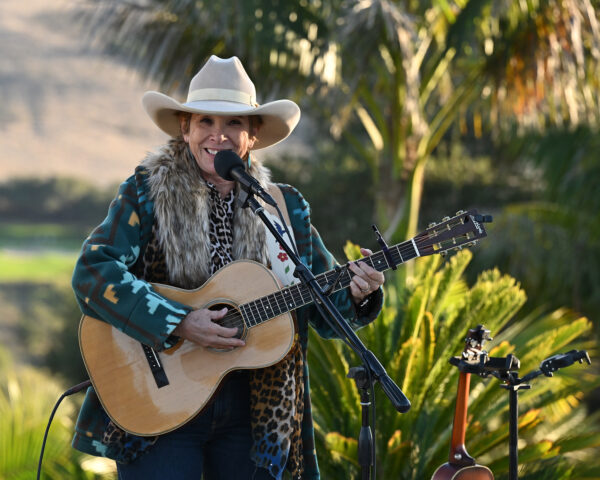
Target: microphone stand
373, 368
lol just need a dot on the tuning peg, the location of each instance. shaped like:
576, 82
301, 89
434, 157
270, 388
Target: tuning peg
483, 218
432, 224
445, 219
460, 212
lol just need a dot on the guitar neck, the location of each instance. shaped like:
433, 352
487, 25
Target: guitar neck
296, 296
458, 453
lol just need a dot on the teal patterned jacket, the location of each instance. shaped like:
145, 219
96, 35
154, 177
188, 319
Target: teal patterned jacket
105, 288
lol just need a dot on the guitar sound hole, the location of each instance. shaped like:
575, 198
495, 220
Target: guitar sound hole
232, 319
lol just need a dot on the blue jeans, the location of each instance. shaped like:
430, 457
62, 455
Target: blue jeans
215, 443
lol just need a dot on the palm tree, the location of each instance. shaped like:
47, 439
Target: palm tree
392, 78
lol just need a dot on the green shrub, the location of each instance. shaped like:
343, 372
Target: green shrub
27, 397
424, 322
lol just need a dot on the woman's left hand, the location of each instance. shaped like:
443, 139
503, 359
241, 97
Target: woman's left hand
366, 279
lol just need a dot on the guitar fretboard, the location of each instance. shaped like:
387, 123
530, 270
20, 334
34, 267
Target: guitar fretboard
298, 295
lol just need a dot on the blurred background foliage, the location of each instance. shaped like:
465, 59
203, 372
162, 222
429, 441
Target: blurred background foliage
411, 111
422, 325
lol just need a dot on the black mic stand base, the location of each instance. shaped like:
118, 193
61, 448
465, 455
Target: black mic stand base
366, 446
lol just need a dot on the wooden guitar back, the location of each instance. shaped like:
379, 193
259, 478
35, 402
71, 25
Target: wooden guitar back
453, 472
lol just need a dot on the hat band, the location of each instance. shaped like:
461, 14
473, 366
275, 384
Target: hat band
222, 94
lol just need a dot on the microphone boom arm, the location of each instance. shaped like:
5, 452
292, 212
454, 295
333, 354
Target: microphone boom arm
335, 319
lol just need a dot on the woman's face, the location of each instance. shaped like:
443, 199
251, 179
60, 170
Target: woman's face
208, 134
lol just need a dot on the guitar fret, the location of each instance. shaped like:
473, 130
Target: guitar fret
306, 296
405, 248
255, 312
300, 295
264, 312
296, 295
409, 252
247, 313
281, 301
380, 267
290, 300
268, 307
349, 280
324, 279
274, 305
417, 254
261, 310
401, 258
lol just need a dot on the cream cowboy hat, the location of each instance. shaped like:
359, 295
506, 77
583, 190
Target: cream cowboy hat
222, 87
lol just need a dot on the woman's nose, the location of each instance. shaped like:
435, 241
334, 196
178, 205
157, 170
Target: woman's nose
218, 131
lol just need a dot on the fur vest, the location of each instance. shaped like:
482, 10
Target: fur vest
182, 207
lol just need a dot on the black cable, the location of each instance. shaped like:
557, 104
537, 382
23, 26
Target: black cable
70, 391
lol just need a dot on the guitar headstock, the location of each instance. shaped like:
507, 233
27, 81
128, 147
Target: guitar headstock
461, 231
473, 358
476, 338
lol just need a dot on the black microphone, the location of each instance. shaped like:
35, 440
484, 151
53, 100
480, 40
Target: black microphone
230, 166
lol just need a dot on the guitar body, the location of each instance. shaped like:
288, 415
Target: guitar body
449, 471
120, 372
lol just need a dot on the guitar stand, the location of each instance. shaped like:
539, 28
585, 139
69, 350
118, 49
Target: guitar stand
513, 384
513, 425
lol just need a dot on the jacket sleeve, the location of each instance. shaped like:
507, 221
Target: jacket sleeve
106, 289
315, 255
357, 315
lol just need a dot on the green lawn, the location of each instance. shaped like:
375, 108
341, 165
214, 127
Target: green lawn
36, 267
39, 252
40, 236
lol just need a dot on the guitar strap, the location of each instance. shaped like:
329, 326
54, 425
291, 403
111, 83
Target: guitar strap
275, 192
279, 262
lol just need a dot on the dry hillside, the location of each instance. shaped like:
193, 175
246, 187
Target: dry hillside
63, 109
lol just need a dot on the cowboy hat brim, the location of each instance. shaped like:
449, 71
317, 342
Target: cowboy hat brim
279, 117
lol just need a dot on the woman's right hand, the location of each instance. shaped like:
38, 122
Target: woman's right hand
198, 327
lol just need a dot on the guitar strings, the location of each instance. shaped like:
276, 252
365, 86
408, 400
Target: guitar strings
298, 295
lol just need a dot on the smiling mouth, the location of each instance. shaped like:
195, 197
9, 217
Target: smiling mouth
213, 151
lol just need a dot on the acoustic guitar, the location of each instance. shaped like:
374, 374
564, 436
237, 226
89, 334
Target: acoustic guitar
146, 392
460, 465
